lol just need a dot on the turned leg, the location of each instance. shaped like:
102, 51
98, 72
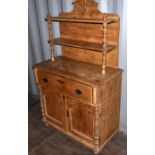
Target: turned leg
96, 134
42, 107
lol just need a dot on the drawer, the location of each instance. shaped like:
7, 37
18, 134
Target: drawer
69, 87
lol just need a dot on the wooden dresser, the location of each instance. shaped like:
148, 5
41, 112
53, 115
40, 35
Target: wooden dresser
80, 91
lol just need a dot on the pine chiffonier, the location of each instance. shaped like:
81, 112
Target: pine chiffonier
80, 91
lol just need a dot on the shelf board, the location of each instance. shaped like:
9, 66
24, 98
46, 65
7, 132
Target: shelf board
83, 44
80, 20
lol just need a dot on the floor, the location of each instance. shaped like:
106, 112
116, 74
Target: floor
44, 140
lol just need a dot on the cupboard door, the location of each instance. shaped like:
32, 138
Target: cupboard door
80, 119
54, 108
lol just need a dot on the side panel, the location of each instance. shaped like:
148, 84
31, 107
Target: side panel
108, 89
109, 117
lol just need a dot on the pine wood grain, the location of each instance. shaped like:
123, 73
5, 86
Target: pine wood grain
80, 91
44, 140
83, 72
89, 115
90, 32
83, 29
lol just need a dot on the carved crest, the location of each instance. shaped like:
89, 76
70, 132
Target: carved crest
84, 6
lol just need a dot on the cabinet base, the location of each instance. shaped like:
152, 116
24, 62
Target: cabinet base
102, 146
90, 146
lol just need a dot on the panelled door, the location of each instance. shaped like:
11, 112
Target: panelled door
54, 108
81, 119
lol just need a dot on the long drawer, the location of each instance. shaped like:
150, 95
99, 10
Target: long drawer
80, 91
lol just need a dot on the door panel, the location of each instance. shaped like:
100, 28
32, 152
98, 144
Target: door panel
54, 108
80, 118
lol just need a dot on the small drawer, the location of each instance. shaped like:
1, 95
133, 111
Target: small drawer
67, 86
50, 81
79, 90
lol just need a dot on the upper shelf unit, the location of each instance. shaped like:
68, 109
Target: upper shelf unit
88, 30
83, 44
80, 20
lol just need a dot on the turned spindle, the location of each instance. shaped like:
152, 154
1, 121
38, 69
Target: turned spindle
96, 126
49, 18
104, 41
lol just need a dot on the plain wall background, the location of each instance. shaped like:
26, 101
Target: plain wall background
39, 49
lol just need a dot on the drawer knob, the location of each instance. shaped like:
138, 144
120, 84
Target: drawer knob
45, 80
60, 81
77, 91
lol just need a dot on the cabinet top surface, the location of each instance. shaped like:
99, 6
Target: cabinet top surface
87, 73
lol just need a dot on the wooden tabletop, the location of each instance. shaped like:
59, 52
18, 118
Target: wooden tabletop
83, 72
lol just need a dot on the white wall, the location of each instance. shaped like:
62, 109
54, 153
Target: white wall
39, 50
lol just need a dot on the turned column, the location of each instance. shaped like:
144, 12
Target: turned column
96, 134
51, 39
104, 41
41, 97
42, 106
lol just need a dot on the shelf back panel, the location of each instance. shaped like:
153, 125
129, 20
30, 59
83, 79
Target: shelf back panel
89, 32
90, 56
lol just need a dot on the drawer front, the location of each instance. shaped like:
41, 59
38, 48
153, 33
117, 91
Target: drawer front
69, 87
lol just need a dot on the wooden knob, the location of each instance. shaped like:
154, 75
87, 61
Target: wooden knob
45, 80
77, 91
